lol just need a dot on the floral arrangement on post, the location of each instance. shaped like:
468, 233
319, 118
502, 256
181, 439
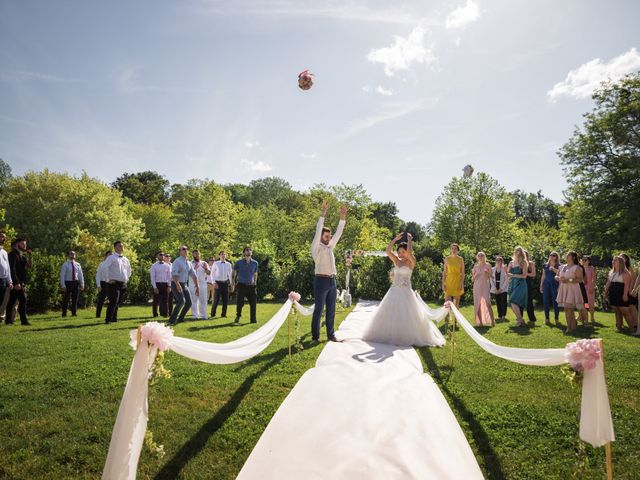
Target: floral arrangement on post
581, 355
159, 336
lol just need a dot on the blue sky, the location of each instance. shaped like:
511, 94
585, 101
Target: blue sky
404, 96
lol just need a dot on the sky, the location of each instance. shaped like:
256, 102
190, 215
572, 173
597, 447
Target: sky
406, 93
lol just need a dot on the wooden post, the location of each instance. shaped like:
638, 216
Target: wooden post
452, 322
607, 447
289, 329
139, 336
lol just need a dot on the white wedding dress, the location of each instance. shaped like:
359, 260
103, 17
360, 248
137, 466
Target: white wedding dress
401, 318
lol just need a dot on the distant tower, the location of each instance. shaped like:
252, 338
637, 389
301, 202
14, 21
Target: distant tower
467, 171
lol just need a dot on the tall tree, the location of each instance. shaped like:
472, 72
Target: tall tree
475, 211
602, 166
143, 187
534, 207
386, 215
5, 173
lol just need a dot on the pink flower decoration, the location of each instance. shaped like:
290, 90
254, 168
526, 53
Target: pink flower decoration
157, 334
583, 354
294, 296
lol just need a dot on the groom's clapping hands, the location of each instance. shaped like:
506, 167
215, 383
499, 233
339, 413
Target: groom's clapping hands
325, 208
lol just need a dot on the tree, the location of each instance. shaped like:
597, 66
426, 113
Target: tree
205, 215
535, 207
602, 166
386, 215
476, 211
55, 211
415, 229
160, 226
143, 187
5, 173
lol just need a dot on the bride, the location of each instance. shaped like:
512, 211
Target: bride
400, 318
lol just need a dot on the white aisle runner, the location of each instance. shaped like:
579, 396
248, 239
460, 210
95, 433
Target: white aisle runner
366, 411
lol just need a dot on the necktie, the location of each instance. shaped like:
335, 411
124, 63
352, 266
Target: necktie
73, 271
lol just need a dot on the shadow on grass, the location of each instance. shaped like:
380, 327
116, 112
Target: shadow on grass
62, 327
211, 327
492, 463
173, 468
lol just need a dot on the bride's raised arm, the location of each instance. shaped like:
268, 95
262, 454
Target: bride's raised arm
410, 250
390, 253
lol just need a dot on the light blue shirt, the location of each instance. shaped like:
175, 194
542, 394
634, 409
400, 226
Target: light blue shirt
182, 269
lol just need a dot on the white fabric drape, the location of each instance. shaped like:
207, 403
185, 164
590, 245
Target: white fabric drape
596, 425
131, 423
236, 351
302, 310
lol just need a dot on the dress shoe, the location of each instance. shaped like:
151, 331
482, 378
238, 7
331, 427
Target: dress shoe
26, 324
237, 320
332, 338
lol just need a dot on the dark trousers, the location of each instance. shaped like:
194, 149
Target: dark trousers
71, 293
115, 293
222, 292
4, 285
182, 303
17, 296
325, 293
549, 296
161, 299
531, 292
102, 296
501, 304
248, 292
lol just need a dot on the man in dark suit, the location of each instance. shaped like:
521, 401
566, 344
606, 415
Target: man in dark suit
19, 263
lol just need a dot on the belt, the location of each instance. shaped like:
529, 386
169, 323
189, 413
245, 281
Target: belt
325, 276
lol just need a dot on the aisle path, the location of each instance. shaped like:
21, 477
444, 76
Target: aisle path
365, 411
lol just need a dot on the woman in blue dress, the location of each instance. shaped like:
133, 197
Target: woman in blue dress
518, 291
549, 287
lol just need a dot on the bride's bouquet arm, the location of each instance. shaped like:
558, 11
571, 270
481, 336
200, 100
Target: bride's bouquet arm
390, 253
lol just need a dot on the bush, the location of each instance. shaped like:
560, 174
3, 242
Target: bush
298, 277
427, 279
43, 287
370, 277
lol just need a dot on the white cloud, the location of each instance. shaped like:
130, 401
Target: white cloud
384, 92
253, 144
463, 16
26, 76
309, 156
581, 82
387, 112
126, 79
366, 89
403, 52
258, 167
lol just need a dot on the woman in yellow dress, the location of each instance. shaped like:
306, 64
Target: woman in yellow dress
453, 276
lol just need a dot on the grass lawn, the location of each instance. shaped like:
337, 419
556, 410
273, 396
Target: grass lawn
61, 381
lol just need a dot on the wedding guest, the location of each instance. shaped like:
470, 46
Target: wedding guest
210, 281
71, 284
635, 291
19, 262
617, 291
453, 276
182, 273
481, 275
160, 273
325, 290
549, 287
583, 313
500, 287
531, 287
167, 260
199, 301
101, 283
590, 279
6, 285
569, 294
118, 270
517, 273
245, 276
222, 276
633, 299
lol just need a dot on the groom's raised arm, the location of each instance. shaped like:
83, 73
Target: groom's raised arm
343, 219
319, 226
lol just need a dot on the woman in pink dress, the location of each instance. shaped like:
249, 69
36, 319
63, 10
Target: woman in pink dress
569, 293
590, 284
481, 275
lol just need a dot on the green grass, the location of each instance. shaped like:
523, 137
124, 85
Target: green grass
61, 381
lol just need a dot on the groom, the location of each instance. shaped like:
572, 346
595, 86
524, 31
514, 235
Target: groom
324, 286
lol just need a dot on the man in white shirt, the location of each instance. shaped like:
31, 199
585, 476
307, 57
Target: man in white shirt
161, 284
325, 290
118, 273
101, 283
71, 283
210, 282
199, 307
5, 271
222, 275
